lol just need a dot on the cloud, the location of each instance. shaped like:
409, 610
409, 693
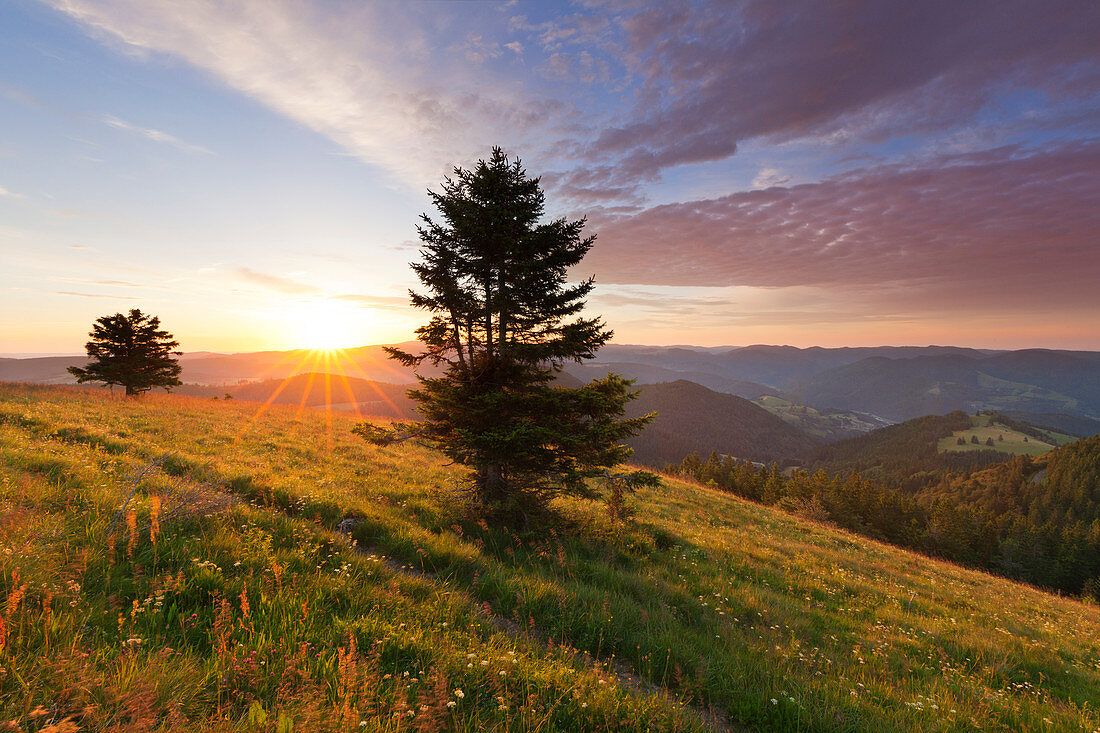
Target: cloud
112, 283
290, 286
10, 194
155, 135
1008, 226
379, 302
122, 283
768, 177
275, 282
364, 75
715, 75
95, 295
670, 84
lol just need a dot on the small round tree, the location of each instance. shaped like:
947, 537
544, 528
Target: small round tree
504, 319
132, 352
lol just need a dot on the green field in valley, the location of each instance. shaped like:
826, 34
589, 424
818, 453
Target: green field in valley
1005, 439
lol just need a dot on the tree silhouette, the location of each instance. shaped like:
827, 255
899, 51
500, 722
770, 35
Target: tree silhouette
130, 351
503, 321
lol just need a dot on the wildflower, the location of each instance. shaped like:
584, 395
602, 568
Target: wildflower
451, 704
154, 517
131, 525
459, 693
774, 701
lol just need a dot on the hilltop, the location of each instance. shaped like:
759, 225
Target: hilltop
231, 598
691, 418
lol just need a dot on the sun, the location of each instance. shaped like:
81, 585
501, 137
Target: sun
323, 325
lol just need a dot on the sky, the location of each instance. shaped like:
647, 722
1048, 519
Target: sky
820, 173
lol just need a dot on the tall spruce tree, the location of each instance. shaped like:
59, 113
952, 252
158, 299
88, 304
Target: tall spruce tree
130, 351
503, 321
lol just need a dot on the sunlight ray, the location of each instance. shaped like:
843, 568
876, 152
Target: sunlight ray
382, 395
271, 399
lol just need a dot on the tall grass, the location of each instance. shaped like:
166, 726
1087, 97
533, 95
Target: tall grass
244, 609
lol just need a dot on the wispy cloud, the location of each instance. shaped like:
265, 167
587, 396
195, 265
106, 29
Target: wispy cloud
95, 295
292, 286
380, 302
768, 177
1009, 227
350, 76
278, 283
10, 194
156, 135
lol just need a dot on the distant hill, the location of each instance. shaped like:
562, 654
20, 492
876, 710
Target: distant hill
899, 389
778, 367
906, 455
40, 369
651, 374
1082, 427
1062, 486
347, 394
692, 418
368, 362
892, 383
827, 425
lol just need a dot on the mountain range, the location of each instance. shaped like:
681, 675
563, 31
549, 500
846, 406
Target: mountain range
832, 393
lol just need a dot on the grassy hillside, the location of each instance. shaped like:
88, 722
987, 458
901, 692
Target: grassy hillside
241, 607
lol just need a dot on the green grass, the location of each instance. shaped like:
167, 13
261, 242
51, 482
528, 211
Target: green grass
707, 611
1005, 439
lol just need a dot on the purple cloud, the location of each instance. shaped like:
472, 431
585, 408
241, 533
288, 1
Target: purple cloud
716, 75
1009, 224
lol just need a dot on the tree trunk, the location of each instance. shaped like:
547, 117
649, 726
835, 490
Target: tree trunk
491, 482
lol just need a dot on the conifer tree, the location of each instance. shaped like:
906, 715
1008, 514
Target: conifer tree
504, 320
130, 351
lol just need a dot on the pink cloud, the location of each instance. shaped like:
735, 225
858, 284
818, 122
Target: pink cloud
1002, 224
716, 75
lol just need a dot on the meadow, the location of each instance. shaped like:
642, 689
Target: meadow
231, 593
1005, 439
